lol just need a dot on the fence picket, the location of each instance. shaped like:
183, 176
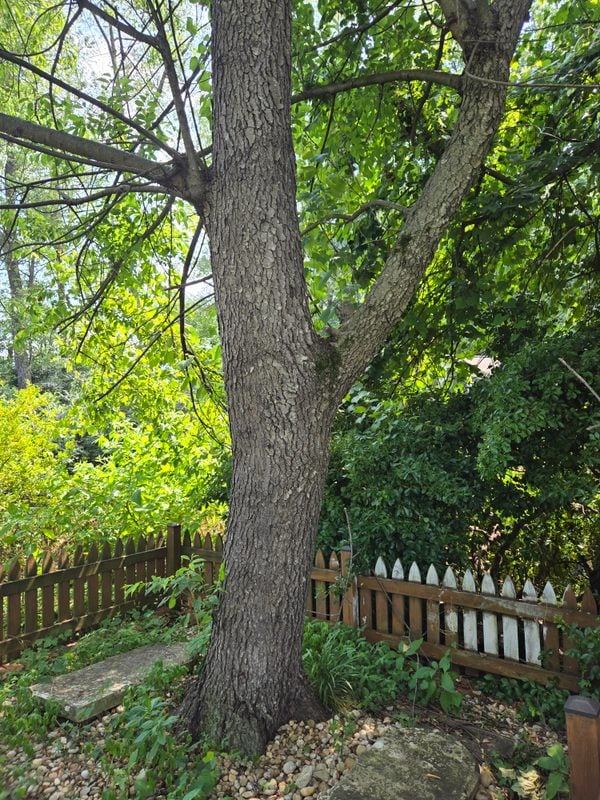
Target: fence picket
64, 589
141, 566
415, 608
450, 615
588, 603
31, 615
433, 608
510, 630
365, 606
151, 563
570, 664
381, 600
129, 568
469, 615
490, 621
350, 610
13, 623
92, 581
47, 594
550, 631
531, 627
320, 589
106, 578
119, 579
334, 597
210, 573
78, 585
398, 603
161, 563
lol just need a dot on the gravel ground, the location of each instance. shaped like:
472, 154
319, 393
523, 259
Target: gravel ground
304, 759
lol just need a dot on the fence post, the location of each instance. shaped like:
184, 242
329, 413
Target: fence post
350, 598
173, 548
583, 738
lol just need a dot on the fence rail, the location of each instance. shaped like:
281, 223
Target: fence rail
487, 627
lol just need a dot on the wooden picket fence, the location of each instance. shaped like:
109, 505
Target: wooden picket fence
75, 594
488, 629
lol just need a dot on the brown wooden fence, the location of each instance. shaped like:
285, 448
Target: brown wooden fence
488, 628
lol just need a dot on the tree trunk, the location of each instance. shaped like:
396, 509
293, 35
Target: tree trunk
21, 355
252, 680
279, 377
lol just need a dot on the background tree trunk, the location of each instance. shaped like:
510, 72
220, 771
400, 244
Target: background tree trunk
21, 355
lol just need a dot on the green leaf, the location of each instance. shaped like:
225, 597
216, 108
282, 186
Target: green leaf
555, 785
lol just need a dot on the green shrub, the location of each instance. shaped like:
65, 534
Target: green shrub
585, 650
535, 777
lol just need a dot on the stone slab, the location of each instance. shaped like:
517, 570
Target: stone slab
411, 764
88, 692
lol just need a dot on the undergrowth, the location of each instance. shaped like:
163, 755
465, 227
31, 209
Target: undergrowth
24, 721
532, 701
346, 669
143, 755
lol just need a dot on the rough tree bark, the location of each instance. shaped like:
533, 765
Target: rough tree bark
278, 374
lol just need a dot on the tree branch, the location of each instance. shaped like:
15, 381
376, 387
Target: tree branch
54, 81
351, 217
428, 75
124, 27
360, 337
71, 202
578, 376
195, 182
100, 155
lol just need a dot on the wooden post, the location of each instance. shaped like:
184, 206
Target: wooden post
583, 738
173, 548
350, 599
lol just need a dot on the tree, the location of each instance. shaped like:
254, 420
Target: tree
284, 378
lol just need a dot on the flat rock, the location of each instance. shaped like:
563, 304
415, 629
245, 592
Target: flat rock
87, 692
411, 764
